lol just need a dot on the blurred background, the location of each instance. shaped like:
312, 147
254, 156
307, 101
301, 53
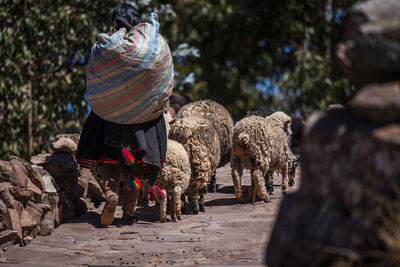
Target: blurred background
243, 54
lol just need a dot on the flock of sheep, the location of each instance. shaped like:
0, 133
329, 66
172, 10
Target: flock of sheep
202, 137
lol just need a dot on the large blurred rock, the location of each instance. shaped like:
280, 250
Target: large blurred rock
379, 102
371, 50
349, 200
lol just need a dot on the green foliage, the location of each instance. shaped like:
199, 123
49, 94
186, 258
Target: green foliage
41, 45
242, 42
228, 47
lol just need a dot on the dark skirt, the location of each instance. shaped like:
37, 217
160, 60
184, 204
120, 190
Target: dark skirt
101, 141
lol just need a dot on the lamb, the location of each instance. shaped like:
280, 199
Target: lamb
201, 142
261, 145
173, 179
222, 122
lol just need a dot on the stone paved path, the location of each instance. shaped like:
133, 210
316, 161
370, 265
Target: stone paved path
227, 234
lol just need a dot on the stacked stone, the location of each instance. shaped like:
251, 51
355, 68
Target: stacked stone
36, 197
75, 186
28, 202
347, 210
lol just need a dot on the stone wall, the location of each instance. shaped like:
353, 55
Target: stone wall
347, 210
36, 196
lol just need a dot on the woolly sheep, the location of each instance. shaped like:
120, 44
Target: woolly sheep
261, 145
219, 117
293, 137
201, 142
173, 179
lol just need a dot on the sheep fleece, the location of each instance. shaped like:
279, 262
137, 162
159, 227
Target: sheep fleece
201, 142
219, 117
259, 143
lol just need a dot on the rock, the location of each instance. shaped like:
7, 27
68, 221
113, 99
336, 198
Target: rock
37, 193
49, 183
62, 165
64, 145
57, 216
11, 219
73, 137
95, 193
7, 236
348, 200
80, 206
5, 170
27, 221
66, 207
21, 194
46, 227
6, 197
33, 174
76, 191
35, 210
53, 200
371, 50
19, 175
84, 184
3, 207
40, 159
379, 102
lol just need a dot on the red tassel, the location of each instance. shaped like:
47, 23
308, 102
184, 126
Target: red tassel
132, 182
128, 157
156, 194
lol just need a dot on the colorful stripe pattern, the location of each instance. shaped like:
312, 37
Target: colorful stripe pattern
130, 76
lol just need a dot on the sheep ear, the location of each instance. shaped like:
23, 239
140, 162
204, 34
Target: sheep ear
172, 121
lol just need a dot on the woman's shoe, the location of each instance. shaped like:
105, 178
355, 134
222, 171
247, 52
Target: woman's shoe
127, 220
107, 216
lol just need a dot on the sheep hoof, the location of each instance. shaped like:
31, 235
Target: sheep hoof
179, 217
267, 200
173, 218
284, 193
163, 219
291, 183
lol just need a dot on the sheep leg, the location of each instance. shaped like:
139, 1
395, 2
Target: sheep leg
175, 204
252, 192
213, 183
194, 202
202, 208
193, 197
284, 172
269, 183
237, 183
258, 179
163, 208
292, 171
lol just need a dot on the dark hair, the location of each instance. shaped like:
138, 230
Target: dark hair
125, 11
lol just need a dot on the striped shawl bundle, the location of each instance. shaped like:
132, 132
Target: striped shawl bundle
130, 76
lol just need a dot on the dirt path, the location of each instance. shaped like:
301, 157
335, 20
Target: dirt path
227, 234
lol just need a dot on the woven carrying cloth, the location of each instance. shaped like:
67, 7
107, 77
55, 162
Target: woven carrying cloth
130, 75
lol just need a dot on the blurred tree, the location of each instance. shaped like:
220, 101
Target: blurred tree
244, 54
43, 49
243, 42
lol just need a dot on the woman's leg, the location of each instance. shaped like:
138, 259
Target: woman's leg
111, 174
